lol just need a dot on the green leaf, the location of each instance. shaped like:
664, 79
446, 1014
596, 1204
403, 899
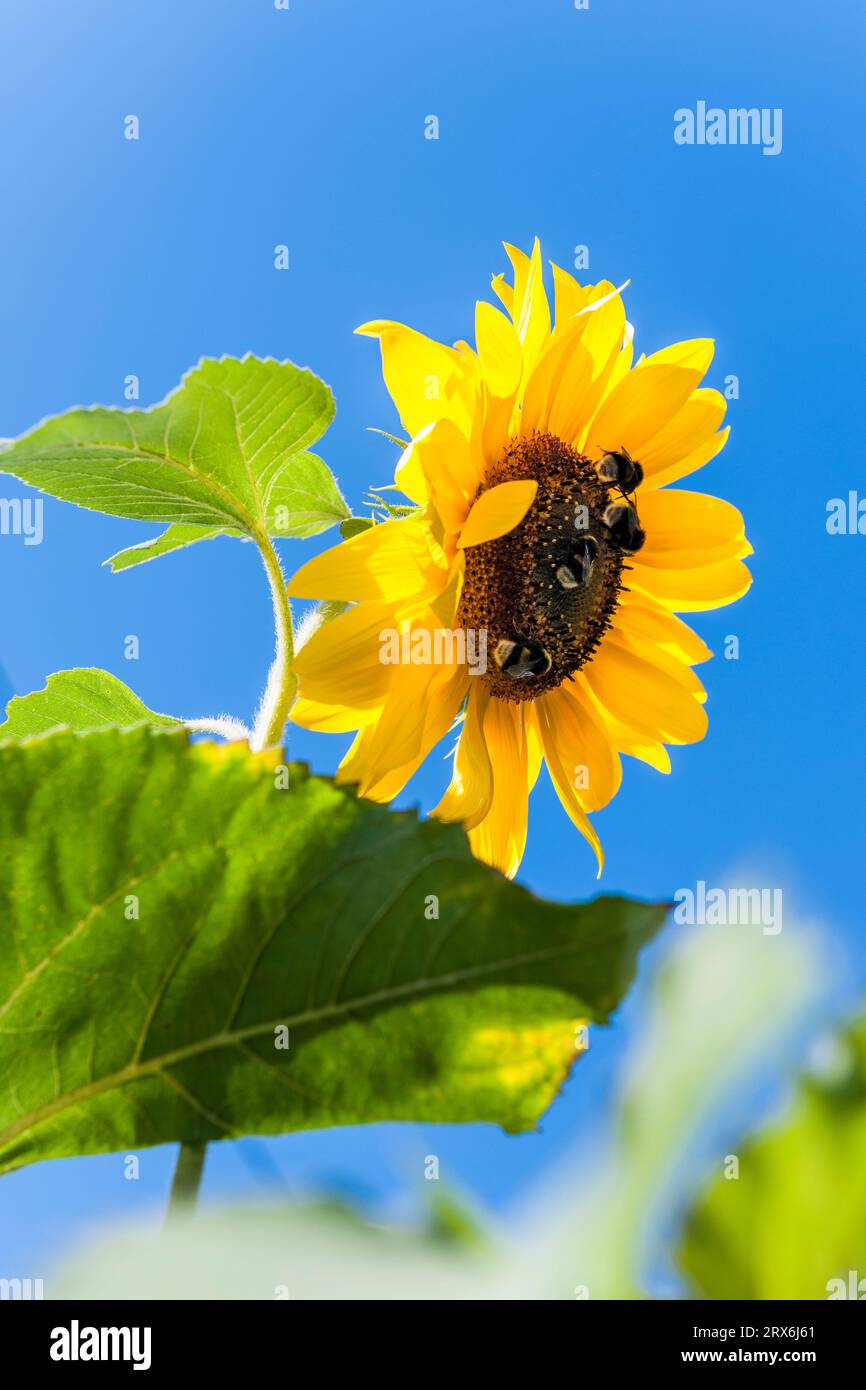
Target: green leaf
354, 525
305, 500
175, 537
225, 452
80, 699
401, 443
791, 1224
168, 909
392, 509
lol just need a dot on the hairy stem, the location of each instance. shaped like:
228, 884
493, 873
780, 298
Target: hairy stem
282, 682
186, 1180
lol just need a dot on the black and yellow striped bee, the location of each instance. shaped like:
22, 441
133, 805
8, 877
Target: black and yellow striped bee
521, 660
623, 523
578, 572
618, 467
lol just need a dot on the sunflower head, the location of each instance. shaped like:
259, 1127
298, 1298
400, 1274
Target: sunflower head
544, 537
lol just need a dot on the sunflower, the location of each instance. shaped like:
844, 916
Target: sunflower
543, 546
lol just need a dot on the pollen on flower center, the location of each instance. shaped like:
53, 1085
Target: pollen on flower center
545, 592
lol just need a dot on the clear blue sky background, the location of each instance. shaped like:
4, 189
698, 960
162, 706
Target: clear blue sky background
306, 127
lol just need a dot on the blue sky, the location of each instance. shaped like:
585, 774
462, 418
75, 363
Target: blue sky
306, 127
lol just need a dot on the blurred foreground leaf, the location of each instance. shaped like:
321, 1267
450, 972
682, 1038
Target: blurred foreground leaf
191, 950
720, 1002
792, 1224
294, 1252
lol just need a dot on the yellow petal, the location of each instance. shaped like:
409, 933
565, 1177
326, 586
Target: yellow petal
450, 472
499, 350
661, 659
638, 616
562, 772
587, 374
341, 663
425, 379
687, 441
544, 383
568, 296
583, 746
695, 589
391, 561
626, 740
620, 366
531, 311
685, 529
495, 430
569, 407
409, 475
688, 463
336, 718
504, 293
497, 511
643, 697
352, 770
643, 402
605, 315
696, 354
500, 838
420, 709
469, 794
534, 746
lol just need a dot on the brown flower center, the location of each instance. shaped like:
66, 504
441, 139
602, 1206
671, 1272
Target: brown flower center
545, 593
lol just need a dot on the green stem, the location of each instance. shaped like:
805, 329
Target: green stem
282, 682
186, 1181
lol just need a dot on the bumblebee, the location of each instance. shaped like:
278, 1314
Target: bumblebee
622, 522
618, 468
578, 574
522, 660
